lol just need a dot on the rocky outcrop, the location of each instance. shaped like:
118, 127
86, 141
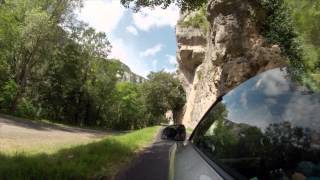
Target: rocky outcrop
126, 75
212, 63
191, 53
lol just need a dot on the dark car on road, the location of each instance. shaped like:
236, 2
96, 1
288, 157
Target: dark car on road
268, 128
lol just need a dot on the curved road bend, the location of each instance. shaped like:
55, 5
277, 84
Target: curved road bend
152, 164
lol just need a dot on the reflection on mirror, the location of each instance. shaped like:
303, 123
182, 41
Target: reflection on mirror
174, 132
267, 128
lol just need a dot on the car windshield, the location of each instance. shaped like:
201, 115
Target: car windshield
267, 128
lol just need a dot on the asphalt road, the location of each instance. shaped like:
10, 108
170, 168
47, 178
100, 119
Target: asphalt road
152, 164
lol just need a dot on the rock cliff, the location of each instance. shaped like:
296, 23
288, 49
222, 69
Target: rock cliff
126, 75
212, 62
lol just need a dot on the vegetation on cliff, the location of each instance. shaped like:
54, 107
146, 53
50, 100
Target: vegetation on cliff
185, 5
196, 19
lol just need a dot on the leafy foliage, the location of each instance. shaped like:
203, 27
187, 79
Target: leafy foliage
26, 108
7, 93
197, 20
185, 5
128, 110
277, 27
139, 105
163, 92
306, 16
54, 67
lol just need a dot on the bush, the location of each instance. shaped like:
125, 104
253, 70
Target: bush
196, 19
26, 109
7, 94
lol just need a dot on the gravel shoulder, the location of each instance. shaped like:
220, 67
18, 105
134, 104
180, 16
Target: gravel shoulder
20, 135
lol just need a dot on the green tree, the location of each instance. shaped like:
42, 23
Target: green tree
55, 67
163, 92
128, 109
100, 87
93, 45
51, 65
82, 86
28, 32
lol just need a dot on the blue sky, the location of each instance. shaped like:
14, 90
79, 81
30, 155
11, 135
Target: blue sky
145, 41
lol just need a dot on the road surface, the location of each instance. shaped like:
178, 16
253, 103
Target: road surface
152, 164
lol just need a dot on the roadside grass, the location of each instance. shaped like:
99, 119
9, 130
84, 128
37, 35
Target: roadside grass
98, 160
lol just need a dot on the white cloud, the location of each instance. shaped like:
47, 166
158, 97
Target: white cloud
170, 70
172, 59
151, 51
303, 111
103, 15
273, 84
118, 49
148, 18
126, 55
132, 30
244, 99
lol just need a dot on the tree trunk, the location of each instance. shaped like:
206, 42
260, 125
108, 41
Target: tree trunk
78, 110
97, 119
21, 81
81, 95
87, 115
21, 76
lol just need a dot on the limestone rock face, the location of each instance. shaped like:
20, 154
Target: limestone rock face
128, 76
191, 53
214, 62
